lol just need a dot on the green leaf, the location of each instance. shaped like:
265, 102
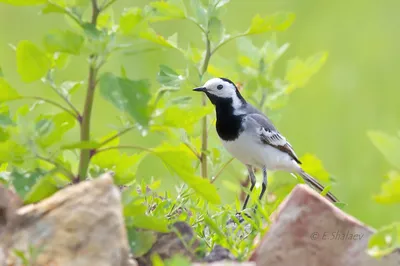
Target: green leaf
32, 63
44, 187
172, 116
179, 161
63, 41
24, 2
168, 77
152, 36
216, 29
52, 8
1, 73
70, 87
24, 181
131, 96
132, 21
82, 145
151, 223
200, 12
178, 260
91, 31
140, 241
5, 119
312, 165
51, 128
299, 72
384, 241
388, 145
7, 92
126, 167
166, 10
276, 22
390, 190
340, 205
60, 60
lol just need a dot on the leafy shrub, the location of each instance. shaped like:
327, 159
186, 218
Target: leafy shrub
37, 162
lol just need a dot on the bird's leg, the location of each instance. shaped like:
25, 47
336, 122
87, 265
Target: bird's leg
264, 183
253, 183
264, 186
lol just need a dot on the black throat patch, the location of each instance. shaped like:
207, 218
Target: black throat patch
229, 125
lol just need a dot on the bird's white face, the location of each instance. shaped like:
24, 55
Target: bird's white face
220, 88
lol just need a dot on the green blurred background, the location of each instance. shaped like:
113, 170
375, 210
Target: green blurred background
355, 91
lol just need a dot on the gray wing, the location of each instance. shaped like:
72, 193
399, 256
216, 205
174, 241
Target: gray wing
269, 134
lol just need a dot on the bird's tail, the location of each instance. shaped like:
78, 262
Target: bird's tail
314, 183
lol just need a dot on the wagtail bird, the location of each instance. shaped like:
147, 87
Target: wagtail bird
250, 136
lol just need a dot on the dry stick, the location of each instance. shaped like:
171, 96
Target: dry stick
87, 110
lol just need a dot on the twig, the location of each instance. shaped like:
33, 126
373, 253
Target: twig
68, 12
119, 134
197, 24
52, 103
221, 170
67, 101
193, 150
107, 5
58, 165
122, 147
87, 110
226, 41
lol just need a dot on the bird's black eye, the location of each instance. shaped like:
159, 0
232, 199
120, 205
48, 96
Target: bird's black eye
220, 87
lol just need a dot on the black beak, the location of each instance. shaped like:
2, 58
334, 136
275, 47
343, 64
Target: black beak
203, 89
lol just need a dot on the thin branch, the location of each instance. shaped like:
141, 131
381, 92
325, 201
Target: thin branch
68, 12
197, 24
226, 41
122, 147
221, 170
58, 165
193, 150
119, 134
87, 110
67, 101
95, 12
52, 103
107, 5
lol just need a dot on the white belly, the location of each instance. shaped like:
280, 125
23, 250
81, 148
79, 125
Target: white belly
248, 150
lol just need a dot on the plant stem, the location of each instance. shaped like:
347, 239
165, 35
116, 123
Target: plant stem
226, 41
67, 101
87, 110
57, 165
193, 150
52, 103
119, 134
221, 170
204, 135
108, 5
122, 147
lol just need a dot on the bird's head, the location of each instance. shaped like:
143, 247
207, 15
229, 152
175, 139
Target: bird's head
220, 89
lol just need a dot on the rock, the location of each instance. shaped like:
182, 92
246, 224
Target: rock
226, 263
308, 230
9, 203
80, 225
169, 244
219, 253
